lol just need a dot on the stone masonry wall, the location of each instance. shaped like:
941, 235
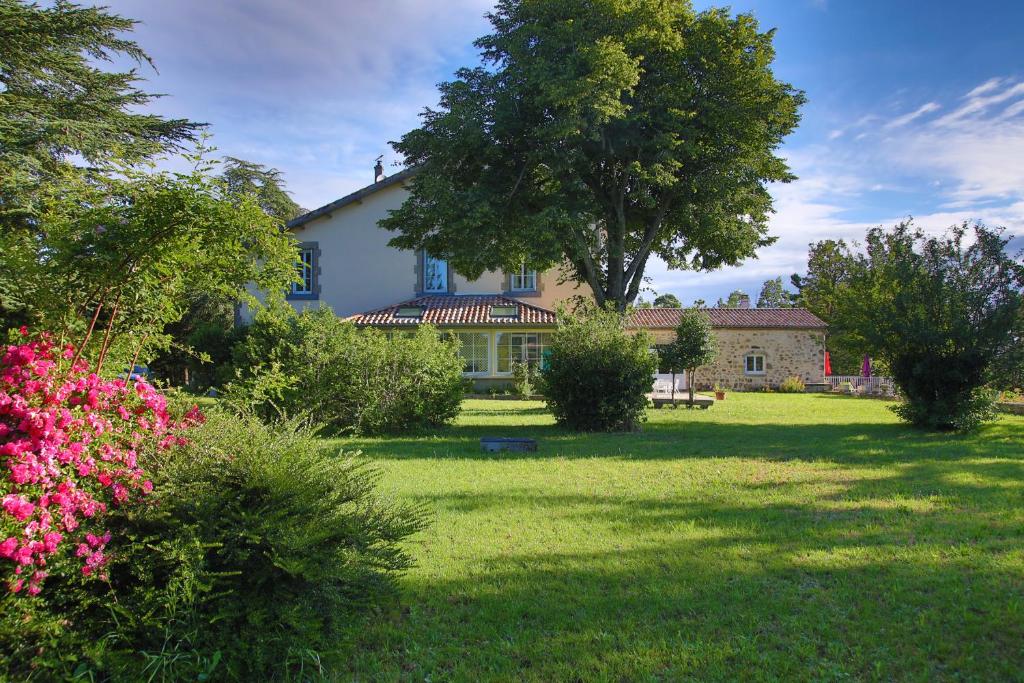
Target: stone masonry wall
786, 353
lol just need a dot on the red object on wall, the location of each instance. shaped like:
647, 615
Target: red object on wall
828, 364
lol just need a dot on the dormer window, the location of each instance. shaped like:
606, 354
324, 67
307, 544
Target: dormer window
524, 280
435, 275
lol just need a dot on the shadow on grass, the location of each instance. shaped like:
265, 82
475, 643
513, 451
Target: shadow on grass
841, 443
810, 601
884, 553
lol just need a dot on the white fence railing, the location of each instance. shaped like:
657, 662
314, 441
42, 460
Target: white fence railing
863, 385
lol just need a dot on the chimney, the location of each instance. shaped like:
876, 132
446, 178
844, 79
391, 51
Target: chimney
744, 301
378, 170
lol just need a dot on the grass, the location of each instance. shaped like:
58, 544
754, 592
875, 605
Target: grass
773, 537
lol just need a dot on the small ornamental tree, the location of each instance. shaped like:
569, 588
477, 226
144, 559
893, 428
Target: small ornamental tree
598, 374
941, 313
693, 347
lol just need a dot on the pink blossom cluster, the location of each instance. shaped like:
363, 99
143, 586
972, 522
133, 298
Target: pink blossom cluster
70, 443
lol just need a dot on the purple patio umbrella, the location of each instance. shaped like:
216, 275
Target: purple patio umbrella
865, 368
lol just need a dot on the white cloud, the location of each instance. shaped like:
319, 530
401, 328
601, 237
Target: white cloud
977, 104
943, 171
916, 114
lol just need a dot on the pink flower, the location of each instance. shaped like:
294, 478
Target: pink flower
56, 488
18, 507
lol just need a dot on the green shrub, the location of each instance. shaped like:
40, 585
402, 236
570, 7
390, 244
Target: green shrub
316, 364
524, 379
262, 545
793, 385
598, 375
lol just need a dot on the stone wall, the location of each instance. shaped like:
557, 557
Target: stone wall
786, 353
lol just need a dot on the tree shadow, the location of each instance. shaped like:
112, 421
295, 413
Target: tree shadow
882, 553
857, 443
806, 602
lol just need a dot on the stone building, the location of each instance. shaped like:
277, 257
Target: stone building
757, 347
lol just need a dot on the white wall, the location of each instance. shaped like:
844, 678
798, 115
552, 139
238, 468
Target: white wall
359, 272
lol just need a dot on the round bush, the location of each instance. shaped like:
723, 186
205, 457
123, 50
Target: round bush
598, 375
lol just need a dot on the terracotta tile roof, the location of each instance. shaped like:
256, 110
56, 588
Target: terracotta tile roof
457, 309
800, 318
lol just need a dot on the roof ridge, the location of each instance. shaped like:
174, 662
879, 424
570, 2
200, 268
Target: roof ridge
366, 191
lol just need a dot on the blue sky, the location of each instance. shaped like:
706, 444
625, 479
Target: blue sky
914, 108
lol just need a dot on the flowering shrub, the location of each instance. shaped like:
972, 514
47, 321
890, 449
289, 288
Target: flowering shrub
70, 446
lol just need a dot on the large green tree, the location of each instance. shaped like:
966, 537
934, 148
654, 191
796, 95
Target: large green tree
598, 133
64, 121
667, 301
941, 312
822, 291
58, 105
121, 257
774, 295
736, 298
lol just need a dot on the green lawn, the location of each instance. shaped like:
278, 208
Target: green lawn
772, 537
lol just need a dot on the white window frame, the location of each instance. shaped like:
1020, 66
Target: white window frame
524, 280
755, 357
440, 276
483, 338
306, 265
542, 343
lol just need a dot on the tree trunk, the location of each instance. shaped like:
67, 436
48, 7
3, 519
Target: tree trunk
673, 388
689, 383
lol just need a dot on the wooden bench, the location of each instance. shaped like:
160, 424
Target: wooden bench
699, 401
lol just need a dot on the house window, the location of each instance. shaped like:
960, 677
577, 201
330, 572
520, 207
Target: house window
753, 364
475, 349
435, 274
306, 267
524, 280
521, 347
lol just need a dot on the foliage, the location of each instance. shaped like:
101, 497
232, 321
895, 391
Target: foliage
667, 301
774, 295
598, 375
198, 355
57, 104
939, 311
1008, 369
125, 256
260, 545
737, 299
349, 379
597, 134
822, 291
70, 445
74, 449
293, 540
198, 351
793, 385
694, 345
266, 185
524, 378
